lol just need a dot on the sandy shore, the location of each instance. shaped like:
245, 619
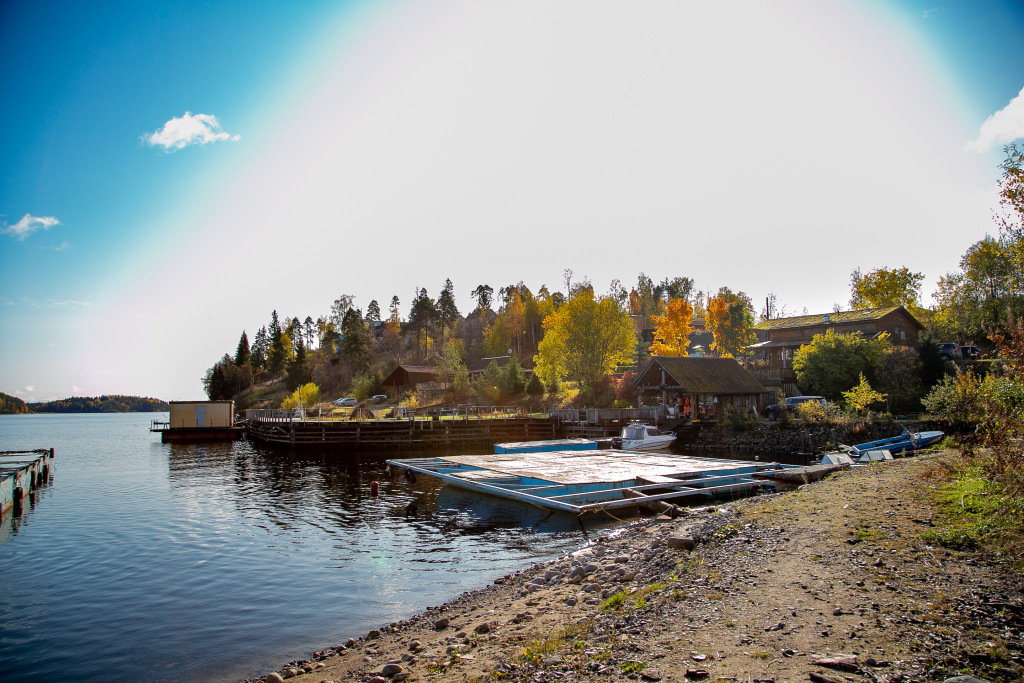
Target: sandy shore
832, 582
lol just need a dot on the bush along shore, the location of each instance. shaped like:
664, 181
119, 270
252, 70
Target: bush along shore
798, 438
848, 579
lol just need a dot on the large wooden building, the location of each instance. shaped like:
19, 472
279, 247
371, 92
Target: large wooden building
781, 337
700, 389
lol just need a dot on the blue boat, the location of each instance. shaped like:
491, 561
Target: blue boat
897, 444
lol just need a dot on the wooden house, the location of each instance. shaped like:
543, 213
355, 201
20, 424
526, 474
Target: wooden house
699, 389
407, 377
782, 337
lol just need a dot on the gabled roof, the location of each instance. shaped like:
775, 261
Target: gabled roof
699, 375
407, 375
834, 318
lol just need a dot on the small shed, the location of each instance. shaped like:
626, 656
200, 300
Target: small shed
700, 389
198, 414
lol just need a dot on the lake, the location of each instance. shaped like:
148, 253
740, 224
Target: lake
221, 561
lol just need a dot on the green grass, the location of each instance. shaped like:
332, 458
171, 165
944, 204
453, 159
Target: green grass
978, 514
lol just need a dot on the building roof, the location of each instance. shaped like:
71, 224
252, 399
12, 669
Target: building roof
834, 318
407, 375
698, 375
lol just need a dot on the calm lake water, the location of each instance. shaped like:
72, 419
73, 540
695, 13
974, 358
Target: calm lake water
150, 561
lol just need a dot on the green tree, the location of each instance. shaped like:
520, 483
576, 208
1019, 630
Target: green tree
259, 350
832, 363
421, 317
298, 367
447, 311
355, 341
489, 384
885, 287
483, 295
676, 288
215, 381
515, 380
338, 309
453, 370
309, 329
242, 353
898, 376
861, 397
373, 312
933, 367
535, 388
280, 346
584, 339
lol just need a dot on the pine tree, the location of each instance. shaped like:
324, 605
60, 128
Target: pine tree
242, 354
373, 312
447, 311
298, 368
355, 342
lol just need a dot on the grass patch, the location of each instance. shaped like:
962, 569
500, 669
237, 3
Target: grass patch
978, 514
569, 637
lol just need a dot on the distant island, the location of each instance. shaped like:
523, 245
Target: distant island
11, 405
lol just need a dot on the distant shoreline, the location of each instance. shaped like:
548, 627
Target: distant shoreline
112, 403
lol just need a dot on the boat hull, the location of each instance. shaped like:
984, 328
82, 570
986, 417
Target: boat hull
899, 444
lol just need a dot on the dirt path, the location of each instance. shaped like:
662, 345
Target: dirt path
829, 583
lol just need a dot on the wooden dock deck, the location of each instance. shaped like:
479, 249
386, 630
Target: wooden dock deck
21, 473
587, 481
394, 434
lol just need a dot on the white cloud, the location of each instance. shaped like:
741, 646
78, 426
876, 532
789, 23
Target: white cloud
30, 387
188, 130
28, 225
1006, 125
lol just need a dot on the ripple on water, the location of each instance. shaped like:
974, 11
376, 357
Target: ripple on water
149, 561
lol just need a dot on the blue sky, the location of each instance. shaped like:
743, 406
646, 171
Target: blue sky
172, 172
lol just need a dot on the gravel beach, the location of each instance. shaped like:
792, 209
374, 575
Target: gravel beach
831, 582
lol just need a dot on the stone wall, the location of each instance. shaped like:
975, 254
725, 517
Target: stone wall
794, 437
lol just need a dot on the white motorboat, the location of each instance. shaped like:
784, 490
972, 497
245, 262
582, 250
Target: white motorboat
637, 436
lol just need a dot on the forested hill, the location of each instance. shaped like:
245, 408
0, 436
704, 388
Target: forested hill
11, 405
102, 404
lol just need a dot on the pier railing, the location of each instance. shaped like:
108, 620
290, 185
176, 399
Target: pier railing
595, 416
400, 413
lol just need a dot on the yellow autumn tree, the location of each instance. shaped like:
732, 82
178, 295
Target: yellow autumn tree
673, 330
729, 318
585, 339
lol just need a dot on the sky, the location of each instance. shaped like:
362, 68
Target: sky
173, 172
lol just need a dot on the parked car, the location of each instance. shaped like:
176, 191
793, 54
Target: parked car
949, 351
970, 352
347, 402
789, 404
378, 397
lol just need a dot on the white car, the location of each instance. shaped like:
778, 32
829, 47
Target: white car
348, 401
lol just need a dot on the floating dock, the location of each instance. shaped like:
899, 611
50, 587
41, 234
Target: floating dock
588, 481
549, 445
21, 473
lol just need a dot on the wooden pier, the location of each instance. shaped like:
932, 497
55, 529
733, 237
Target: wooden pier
589, 481
21, 474
396, 434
